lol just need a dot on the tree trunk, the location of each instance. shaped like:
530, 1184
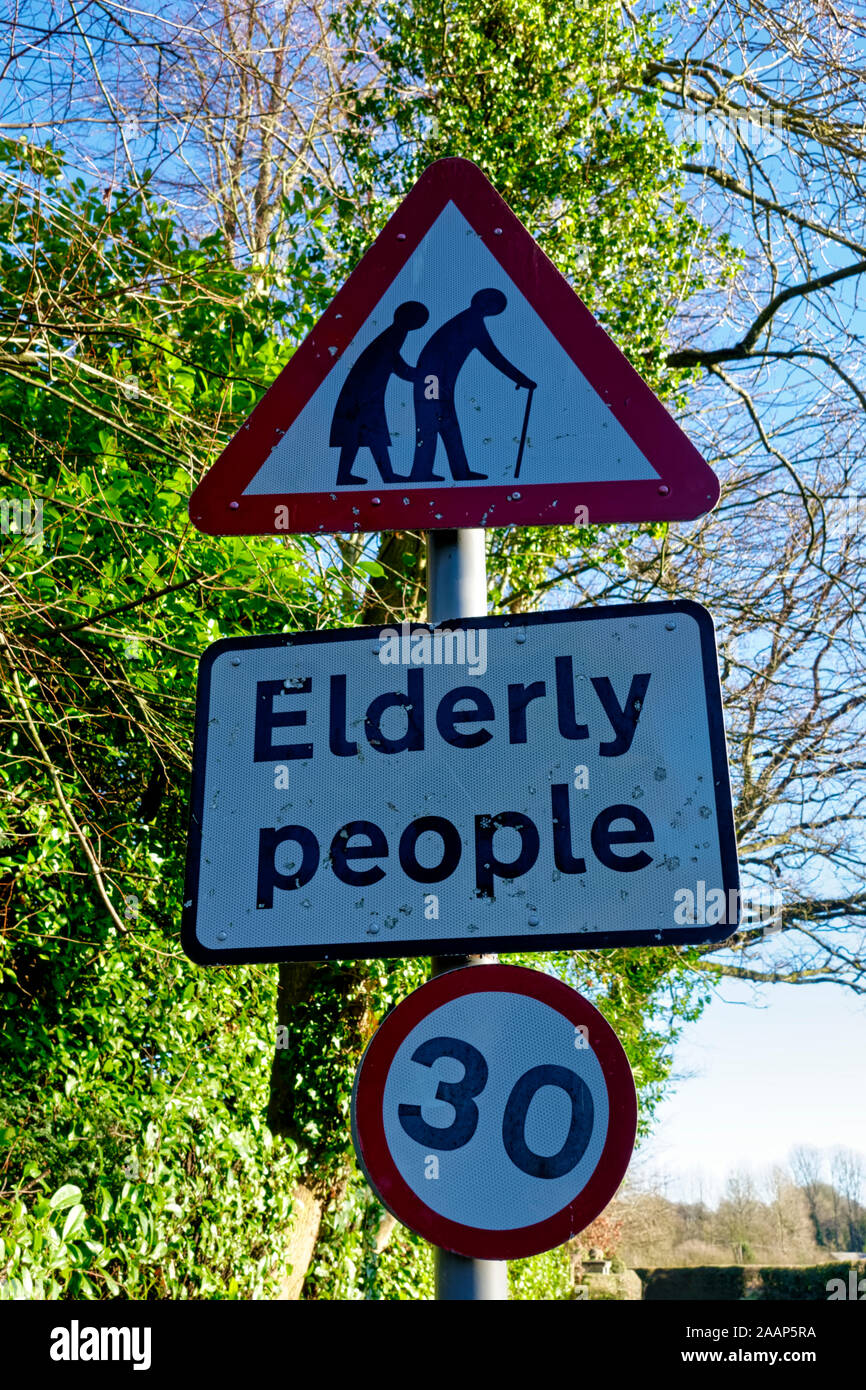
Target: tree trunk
306, 1220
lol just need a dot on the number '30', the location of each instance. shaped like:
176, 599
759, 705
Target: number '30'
462, 1094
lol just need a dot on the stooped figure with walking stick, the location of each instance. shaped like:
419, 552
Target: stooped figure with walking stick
439, 364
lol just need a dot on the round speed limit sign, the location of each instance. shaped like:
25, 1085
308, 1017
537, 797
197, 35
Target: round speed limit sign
494, 1112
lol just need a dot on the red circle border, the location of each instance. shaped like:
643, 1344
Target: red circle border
368, 1125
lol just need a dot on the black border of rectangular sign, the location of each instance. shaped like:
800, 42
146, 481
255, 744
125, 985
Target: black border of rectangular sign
393, 950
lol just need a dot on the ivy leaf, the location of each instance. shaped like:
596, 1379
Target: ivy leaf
65, 1196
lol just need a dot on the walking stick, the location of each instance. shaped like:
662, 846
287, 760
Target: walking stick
523, 432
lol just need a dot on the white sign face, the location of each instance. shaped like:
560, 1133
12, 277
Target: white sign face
505, 1036
518, 783
494, 1111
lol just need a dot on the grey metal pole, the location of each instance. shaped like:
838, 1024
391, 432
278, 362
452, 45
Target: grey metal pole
459, 1279
457, 588
456, 575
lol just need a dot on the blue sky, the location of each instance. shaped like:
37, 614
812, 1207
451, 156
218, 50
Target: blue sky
765, 1068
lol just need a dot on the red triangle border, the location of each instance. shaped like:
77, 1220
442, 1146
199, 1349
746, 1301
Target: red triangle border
686, 488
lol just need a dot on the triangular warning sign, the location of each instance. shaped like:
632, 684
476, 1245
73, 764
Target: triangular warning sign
455, 380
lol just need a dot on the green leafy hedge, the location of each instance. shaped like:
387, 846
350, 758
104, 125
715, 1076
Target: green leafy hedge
205, 1219
808, 1284
705, 1283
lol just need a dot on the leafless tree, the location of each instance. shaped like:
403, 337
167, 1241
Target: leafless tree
848, 1176
228, 107
792, 1230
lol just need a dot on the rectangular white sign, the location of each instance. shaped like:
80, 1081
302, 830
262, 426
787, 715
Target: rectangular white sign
523, 783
